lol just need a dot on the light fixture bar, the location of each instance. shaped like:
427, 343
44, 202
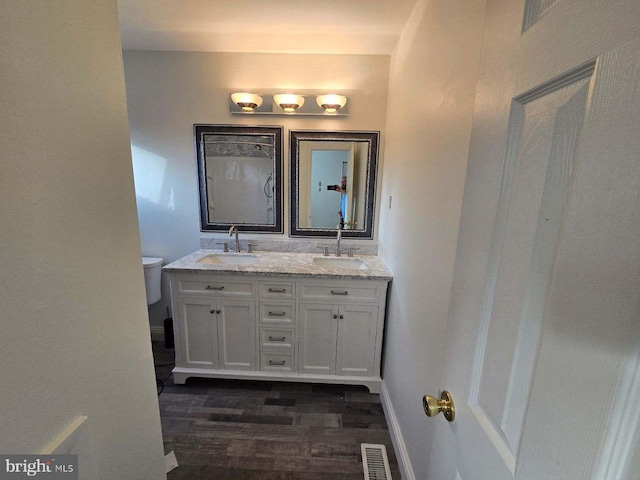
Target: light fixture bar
308, 105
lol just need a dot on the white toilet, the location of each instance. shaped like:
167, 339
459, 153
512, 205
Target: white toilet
152, 277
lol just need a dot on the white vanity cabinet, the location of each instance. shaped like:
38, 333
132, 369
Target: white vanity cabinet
337, 339
217, 333
338, 326
325, 330
215, 318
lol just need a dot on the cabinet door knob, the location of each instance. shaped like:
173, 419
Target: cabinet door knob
335, 316
341, 317
213, 311
218, 312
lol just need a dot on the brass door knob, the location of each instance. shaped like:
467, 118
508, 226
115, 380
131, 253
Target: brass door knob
432, 406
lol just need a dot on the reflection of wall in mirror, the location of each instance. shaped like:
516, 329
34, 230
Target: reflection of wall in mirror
304, 178
304, 184
240, 188
326, 169
358, 207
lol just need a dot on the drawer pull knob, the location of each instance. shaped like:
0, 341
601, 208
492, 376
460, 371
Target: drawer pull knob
333, 292
271, 362
209, 287
277, 314
277, 339
277, 290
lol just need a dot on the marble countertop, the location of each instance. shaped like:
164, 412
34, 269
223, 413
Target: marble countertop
282, 264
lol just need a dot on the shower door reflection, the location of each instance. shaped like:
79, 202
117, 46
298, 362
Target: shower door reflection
239, 180
240, 172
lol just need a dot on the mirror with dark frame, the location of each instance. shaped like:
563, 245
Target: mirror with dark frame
333, 182
239, 177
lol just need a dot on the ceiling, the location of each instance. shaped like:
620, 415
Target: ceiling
264, 26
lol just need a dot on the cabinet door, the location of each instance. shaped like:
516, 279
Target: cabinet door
198, 332
357, 325
317, 338
237, 334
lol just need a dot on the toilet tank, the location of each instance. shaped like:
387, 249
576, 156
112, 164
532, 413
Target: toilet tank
152, 277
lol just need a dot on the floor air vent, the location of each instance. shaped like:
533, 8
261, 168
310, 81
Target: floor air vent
375, 462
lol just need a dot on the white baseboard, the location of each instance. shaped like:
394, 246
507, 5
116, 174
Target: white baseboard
157, 333
406, 470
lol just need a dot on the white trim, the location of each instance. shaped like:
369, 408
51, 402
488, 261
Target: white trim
406, 470
491, 431
181, 374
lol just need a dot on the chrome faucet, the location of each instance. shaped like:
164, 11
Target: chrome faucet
231, 232
339, 237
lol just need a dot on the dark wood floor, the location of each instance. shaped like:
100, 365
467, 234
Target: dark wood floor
233, 429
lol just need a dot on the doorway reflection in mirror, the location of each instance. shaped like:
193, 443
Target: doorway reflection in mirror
333, 182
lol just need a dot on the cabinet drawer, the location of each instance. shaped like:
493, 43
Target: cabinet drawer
351, 292
277, 290
276, 362
219, 286
277, 313
274, 338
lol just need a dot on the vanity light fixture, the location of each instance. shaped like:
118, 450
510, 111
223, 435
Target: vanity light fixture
289, 102
263, 103
246, 101
331, 102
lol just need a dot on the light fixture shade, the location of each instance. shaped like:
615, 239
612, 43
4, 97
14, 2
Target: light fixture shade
247, 101
289, 102
331, 102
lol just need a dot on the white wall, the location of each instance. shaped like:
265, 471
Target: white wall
326, 169
75, 338
431, 96
167, 92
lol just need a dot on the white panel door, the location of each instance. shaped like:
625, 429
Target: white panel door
198, 332
542, 357
357, 325
317, 338
237, 334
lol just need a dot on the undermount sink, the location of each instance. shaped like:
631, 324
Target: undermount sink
227, 259
339, 262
